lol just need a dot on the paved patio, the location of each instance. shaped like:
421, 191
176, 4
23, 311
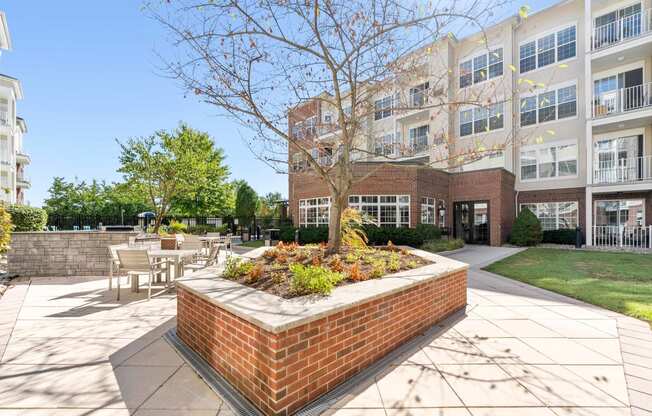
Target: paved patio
68, 348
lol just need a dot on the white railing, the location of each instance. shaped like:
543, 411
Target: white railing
623, 100
622, 237
623, 170
621, 30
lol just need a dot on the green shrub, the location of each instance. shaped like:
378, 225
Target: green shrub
236, 267
27, 218
527, 229
435, 246
203, 229
562, 236
176, 227
428, 232
286, 233
307, 280
5, 229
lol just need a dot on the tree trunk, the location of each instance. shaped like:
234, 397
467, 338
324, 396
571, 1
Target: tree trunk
338, 204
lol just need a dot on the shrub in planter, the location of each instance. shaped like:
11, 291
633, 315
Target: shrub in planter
562, 236
308, 280
527, 229
176, 227
5, 229
27, 218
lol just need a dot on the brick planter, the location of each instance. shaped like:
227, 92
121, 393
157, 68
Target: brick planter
282, 354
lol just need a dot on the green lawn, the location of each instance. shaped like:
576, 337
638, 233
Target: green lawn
253, 243
620, 282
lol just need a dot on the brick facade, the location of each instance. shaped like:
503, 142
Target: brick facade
559, 195
282, 372
493, 185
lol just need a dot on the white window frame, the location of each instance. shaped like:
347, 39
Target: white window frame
471, 58
557, 203
556, 144
542, 35
383, 141
428, 206
400, 201
487, 109
421, 90
536, 93
386, 110
306, 204
595, 209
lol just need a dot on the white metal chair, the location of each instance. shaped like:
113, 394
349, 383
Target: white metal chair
114, 262
138, 262
205, 261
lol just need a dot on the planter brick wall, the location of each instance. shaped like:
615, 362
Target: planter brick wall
282, 369
62, 253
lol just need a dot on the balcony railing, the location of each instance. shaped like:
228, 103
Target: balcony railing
23, 158
624, 237
397, 150
621, 30
23, 181
623, 170
622, 100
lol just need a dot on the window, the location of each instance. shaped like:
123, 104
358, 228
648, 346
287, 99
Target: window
620, 213
481, 68
549, 106
328, 118
311, 125
4, 112
555, 215
385, 210
551, 161
384, 145
298, 162
466, 74
383, 108
548, 49
481, 119
419, 138
427, 210
419, 95
314, 212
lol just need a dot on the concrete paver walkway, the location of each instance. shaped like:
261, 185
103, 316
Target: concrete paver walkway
68, 348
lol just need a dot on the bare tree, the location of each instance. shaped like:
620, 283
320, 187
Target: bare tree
258, 59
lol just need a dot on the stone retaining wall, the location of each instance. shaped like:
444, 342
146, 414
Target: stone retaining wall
281, 371
63, 253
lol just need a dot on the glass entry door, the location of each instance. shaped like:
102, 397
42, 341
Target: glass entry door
472, 222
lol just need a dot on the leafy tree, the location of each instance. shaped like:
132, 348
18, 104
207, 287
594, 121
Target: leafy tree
246, 203
527, 229
268, 205
26, 218
170, 166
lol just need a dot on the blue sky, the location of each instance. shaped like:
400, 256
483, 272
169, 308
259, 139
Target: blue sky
89, 74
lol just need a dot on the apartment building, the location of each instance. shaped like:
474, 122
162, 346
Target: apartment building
566, 131
13, 159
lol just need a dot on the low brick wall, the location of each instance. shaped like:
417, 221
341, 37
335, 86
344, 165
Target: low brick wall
280, 372
63, 253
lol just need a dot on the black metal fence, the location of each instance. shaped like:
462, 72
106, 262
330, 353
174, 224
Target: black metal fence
250, 228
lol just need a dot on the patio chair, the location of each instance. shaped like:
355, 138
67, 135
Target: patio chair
137, 263
192, 242
205, 261
114, 262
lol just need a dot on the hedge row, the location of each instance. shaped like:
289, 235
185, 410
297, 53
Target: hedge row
563, 236
414, 237
26, 218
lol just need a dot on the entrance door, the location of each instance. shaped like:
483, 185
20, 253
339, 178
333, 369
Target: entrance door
472, 222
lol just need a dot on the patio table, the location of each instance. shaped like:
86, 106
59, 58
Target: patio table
176, 256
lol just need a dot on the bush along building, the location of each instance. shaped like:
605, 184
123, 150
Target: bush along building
13, 159
564, 128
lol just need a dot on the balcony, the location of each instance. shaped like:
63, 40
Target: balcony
623, 100
629, 37
624, 171
23, 158
23, 181
401, 150
4, 119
